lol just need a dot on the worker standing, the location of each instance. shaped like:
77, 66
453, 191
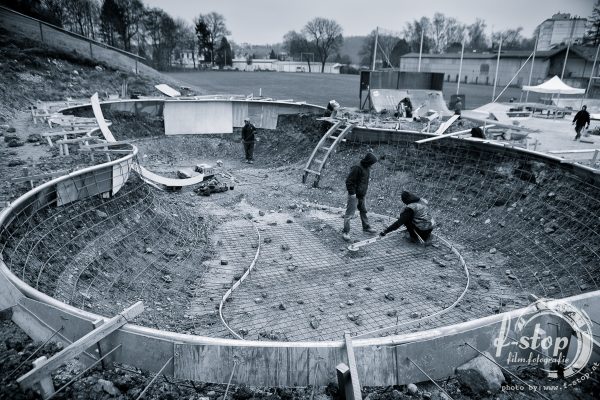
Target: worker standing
357, 184
248, 140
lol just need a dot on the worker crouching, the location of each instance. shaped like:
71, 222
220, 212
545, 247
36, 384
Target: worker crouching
416, 217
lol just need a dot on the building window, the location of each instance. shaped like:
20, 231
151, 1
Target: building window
484, 69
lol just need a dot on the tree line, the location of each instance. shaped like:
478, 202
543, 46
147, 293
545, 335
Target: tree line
152, 33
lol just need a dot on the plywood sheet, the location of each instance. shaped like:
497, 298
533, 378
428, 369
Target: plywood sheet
82, 186
202, 117
168, 90
240, 112
120, 174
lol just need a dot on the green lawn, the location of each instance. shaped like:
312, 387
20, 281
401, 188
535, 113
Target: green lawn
315, 88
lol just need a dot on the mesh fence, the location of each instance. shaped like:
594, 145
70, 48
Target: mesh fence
522, 225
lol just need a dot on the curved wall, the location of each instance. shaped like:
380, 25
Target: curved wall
381, 361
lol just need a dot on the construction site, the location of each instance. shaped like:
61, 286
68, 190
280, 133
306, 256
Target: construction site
142, 257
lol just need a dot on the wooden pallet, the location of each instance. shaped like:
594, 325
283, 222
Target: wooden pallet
326, 145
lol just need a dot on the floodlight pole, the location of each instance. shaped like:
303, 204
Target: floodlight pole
421, 48
462, 52
375, 48
592, 73
532, 64
497, 65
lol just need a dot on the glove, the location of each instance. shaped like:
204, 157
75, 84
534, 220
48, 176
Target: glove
382, 234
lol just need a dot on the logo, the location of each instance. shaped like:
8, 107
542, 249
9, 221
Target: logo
552, 334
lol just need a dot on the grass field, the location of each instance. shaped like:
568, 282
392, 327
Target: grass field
316, 88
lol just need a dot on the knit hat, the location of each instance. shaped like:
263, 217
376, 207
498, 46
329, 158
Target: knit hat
408, 198
369, 159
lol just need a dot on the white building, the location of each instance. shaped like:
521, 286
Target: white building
285, 66
186, 58
558, 29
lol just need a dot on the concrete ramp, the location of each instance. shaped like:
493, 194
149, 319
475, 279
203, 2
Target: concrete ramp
423, 100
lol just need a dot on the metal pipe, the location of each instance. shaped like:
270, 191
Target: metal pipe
421, 48
462, 52
587, 91
375, 48
153, 379
497, 65
532, 65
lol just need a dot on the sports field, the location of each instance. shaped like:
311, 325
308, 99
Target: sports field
317, 88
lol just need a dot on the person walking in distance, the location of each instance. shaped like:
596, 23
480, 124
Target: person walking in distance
357, 184
581, 118
248, 140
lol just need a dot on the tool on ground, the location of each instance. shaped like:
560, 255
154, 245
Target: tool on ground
356, 246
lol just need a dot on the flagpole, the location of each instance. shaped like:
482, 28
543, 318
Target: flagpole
462, 52
375, 49
497, 65
421, 47
532, 65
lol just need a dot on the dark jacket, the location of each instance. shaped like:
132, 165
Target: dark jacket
357, 181
248, 133
581, 118
416, 211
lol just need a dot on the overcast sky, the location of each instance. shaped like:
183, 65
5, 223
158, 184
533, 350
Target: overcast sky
266, 21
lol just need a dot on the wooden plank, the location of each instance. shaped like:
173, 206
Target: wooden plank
431, 139
91, 146
79, 346
107, 151
62, 133
353, 369
444, 126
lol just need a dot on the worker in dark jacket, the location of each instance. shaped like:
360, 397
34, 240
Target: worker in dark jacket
416, 217
248, 140
581, 118
357, 184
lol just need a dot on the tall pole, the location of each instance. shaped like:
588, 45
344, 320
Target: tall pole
562, 74
462, 53
532, 64
375, 48
587, 91
421, 48
497, 65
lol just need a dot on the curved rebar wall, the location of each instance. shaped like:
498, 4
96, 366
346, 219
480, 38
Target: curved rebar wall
541, 215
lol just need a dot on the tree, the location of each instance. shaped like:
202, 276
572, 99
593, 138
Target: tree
210, 29
272, 55
161, 32
110, 13
185, 40
511, 39
224, 54
298, 46
326, 35
81, 16
592, 35
400, 48
413, 31
385, 46
131, 15
477, 38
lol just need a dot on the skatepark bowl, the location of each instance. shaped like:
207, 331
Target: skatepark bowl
259, 281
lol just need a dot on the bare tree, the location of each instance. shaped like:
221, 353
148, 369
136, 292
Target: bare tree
296, 44
385, 47
413, 31
210, 29
477, 38
326, 35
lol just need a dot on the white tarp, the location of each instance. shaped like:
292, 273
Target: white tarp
554, 85
168, 90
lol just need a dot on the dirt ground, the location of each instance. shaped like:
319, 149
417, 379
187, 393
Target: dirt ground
169, 226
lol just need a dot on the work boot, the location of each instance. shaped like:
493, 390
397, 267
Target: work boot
346, 236
409, 239
369, 230
428, 242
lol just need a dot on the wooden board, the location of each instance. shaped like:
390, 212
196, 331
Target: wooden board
170, 182
197, 117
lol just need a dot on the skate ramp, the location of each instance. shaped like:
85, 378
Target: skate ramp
388, 99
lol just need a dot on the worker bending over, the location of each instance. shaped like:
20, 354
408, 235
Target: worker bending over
416, 217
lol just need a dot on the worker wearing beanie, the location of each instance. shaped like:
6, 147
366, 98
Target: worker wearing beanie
416, 217
357, 184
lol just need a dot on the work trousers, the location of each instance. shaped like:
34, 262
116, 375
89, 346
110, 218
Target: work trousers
249, 150
355, 203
